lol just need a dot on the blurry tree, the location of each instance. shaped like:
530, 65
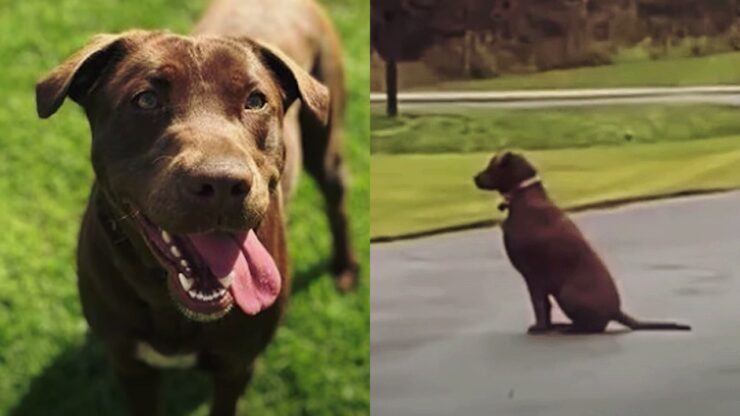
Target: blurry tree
483, 38
673, 20
401, 30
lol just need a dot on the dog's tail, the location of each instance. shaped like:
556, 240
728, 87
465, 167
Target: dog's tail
637, 325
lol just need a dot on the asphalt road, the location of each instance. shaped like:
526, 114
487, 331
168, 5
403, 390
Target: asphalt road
449, 316
421, 102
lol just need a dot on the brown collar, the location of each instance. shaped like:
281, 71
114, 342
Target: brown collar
527, 183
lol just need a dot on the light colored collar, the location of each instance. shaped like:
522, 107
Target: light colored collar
527, 183
534, 180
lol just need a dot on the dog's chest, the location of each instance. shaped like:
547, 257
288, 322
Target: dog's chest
172, 342
146, 353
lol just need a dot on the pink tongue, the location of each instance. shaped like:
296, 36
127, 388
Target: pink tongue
256, 277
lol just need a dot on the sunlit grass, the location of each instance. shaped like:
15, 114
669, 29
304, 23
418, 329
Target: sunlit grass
476, 130
319, 363
720, 69
422, 192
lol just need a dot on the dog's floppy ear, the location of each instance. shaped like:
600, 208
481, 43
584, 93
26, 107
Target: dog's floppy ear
505, 158
78, 75
296, 82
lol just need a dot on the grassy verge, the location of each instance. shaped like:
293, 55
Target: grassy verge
479, 130
415, 193
319, 363
720, 69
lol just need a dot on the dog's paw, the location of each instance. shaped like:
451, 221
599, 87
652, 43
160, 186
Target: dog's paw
347, 279
537, 329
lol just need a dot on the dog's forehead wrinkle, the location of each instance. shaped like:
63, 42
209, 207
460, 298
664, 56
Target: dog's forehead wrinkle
196, 54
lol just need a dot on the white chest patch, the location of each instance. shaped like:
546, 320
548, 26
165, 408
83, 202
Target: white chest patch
149, 355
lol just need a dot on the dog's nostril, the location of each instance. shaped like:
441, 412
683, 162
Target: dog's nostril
218, 185
204, 190
240, 188
219, 188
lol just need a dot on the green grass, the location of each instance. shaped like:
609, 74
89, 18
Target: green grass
720, 69
415, 193
319, 363
479, 130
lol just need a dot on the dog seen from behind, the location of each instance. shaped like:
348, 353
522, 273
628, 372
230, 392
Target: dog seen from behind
552, 255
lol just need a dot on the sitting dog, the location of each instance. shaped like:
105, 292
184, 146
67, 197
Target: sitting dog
553, 256
196, 142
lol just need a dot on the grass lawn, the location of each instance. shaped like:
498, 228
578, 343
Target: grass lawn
319, 363
720, 69
421, 192
479, 130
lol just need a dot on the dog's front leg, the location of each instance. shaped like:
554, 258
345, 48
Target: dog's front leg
228, 386
140, 385
542, 308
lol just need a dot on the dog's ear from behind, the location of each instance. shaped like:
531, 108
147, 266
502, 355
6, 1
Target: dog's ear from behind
505, 158
78, 75
296, 82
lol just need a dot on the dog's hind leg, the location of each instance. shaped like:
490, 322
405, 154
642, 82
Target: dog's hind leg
581, 328
586, 321
322, 158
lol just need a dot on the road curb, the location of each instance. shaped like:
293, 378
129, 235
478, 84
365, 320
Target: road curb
578, 208
432, 97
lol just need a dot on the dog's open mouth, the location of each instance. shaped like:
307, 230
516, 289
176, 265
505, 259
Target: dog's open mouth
208, 273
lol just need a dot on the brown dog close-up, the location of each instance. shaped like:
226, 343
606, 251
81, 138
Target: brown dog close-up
552, 255
197, 142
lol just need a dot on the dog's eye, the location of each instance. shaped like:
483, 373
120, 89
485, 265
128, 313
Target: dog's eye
146, 100
255, 101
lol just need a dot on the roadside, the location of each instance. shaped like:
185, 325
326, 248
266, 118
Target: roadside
452, 129
534, 95
416, 193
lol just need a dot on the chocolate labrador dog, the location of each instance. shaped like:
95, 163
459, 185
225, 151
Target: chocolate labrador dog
196, 143
552, 255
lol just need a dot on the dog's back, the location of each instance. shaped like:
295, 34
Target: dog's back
296, 27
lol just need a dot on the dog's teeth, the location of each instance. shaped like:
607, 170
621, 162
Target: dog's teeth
166, 237
184, 263
185, 282
193, 294
201, 296
175, 252
226, 281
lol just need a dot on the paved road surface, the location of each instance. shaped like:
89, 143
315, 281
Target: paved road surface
442, 101
449, 316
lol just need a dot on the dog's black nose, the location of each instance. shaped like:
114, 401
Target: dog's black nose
219, 186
